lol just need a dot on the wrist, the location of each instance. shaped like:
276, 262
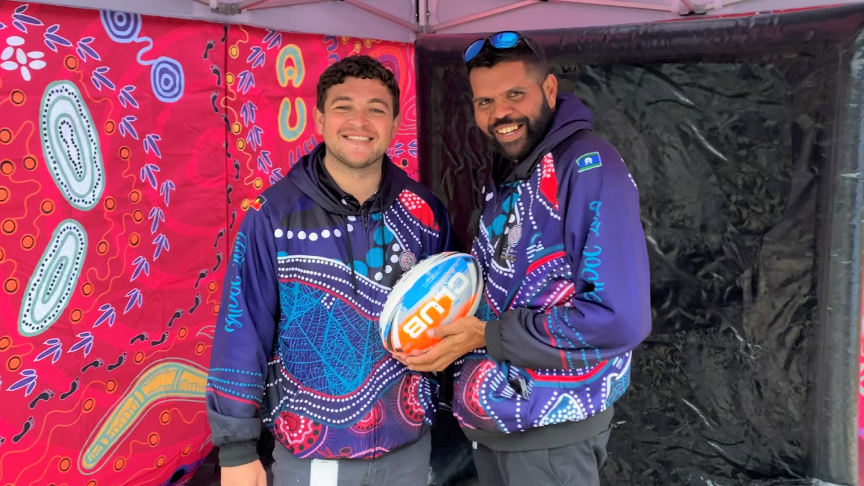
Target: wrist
481, 334
238, 453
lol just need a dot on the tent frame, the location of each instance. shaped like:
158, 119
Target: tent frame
421, 22
407, 20
681, 7
234, 8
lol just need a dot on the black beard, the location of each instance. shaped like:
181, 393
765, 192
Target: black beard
535, 132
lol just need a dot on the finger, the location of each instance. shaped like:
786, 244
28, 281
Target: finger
445, 330
429, 356
438, 365
422, 368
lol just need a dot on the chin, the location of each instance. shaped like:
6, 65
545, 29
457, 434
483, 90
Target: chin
360, 162
514, 151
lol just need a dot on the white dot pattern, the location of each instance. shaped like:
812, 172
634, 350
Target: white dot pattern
320, 272
569, 403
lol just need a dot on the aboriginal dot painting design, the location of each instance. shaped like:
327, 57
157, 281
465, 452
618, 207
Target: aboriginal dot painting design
130, 149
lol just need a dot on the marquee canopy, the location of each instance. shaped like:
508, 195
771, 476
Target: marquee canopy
398, 20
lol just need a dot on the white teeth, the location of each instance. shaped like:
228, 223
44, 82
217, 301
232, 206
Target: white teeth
359, 139
507, 129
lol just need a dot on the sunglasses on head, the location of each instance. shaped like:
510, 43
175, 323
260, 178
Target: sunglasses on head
501, 40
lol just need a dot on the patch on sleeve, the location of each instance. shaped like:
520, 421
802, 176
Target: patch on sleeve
589, 161
257, 203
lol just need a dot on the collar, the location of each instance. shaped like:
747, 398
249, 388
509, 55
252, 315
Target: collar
329, 185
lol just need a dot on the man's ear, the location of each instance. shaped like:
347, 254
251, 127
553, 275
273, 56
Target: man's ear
319, 120
550, 89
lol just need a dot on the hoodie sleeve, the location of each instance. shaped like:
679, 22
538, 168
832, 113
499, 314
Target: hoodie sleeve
609, 312
243, 341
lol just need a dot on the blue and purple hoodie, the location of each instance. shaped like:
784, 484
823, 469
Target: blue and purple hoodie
567, 292
297, 345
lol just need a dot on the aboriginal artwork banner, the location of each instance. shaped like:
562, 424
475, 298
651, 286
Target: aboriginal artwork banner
271, 82
130, 147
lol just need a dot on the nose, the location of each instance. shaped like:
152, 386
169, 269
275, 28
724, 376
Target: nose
358, 119
501, 111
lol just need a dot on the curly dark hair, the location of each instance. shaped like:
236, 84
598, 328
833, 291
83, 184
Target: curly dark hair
534, 60
363, 67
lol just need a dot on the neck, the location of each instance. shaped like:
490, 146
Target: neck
360, 183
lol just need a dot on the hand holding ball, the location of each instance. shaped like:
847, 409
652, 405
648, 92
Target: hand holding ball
435, 292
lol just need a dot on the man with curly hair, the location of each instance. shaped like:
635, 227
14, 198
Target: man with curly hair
297, 345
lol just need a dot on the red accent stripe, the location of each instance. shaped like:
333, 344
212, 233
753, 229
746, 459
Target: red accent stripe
489, 303
343, 299
566, 294
569, 379
232, 397
545, 259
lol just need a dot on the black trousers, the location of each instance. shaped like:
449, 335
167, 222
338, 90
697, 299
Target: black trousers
577, 464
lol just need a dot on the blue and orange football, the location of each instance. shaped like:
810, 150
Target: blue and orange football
435, 292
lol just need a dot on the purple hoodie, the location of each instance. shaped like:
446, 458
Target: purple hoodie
297, 347
566, 295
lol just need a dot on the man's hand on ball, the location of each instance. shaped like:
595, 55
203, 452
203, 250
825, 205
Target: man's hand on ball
457, 339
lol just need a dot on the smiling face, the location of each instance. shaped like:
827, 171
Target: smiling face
513, 106
357, 122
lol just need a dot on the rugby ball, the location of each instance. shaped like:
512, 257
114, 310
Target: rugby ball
436, 291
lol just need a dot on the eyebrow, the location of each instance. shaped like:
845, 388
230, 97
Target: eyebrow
514, 88
340, 98
379, 100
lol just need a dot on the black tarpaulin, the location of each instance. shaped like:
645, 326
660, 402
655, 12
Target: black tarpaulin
743, 136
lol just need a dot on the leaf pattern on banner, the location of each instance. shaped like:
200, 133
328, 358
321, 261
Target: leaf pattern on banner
153, 133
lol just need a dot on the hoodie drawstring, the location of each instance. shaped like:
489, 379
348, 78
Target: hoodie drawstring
380, 212
381, 219
350, 252
500, 246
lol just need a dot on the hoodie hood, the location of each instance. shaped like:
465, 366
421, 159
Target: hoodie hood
570, 116
310, 176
